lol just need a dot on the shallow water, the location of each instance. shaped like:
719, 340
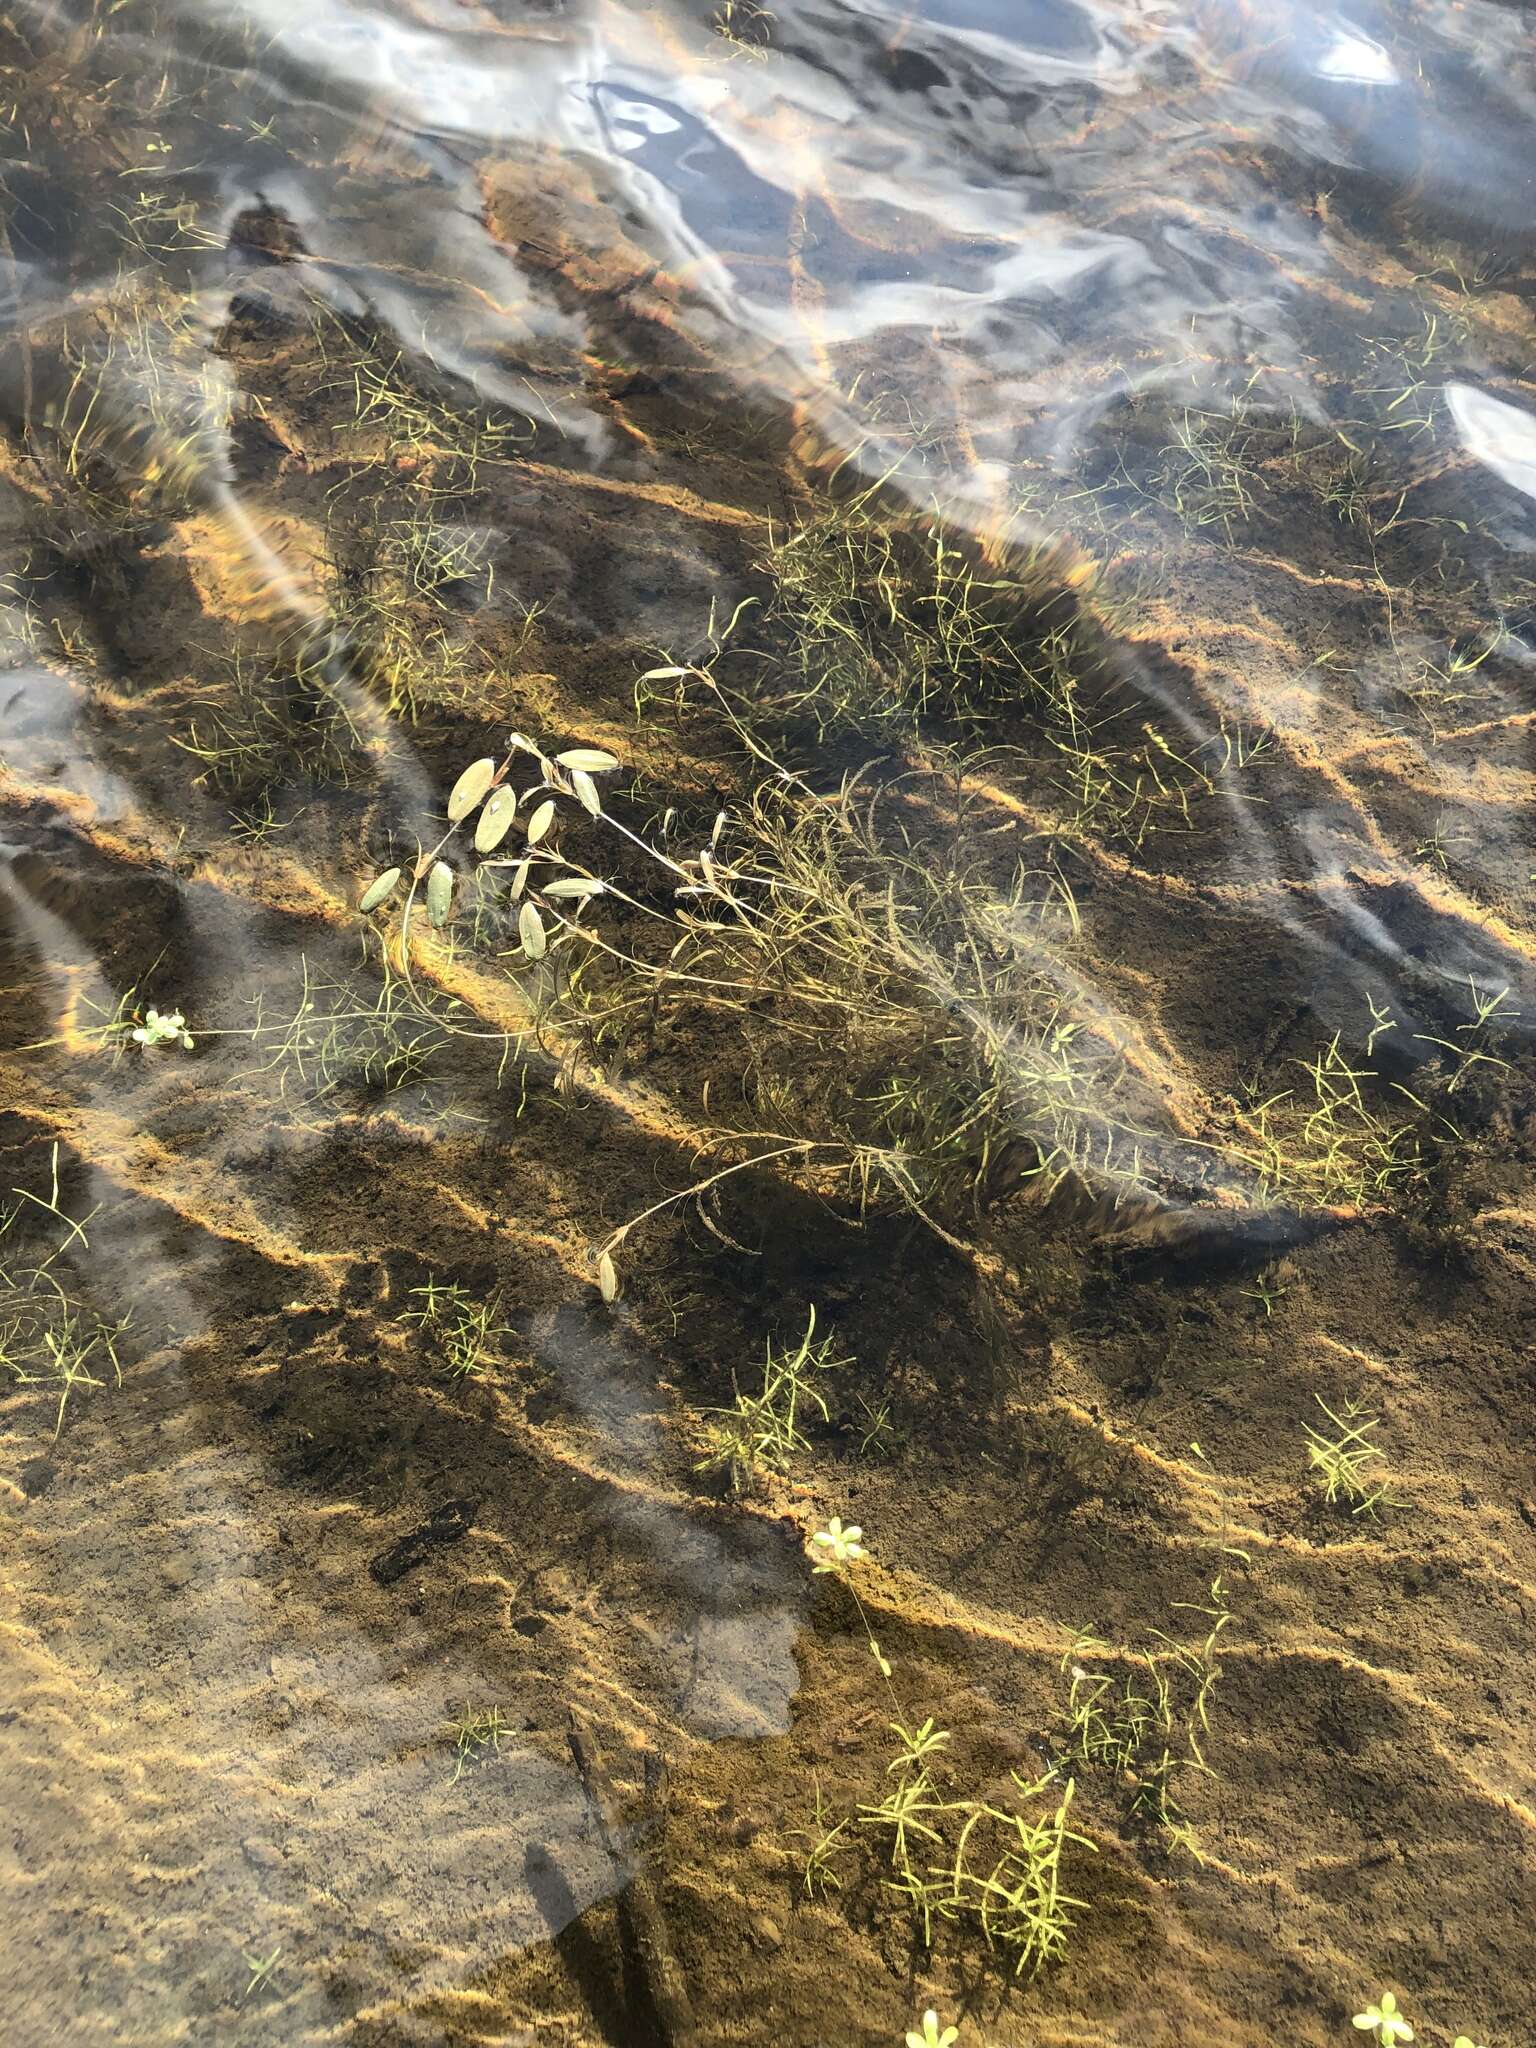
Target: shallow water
1027, 511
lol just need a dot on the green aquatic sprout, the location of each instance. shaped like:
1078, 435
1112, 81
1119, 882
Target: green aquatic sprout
761, 1432
261, 1968
474, 1731
49, 1339
1152, 1721
1465, 2041
1340, 1461
1384, 2019
467, 1330
930, 2035
168, 1027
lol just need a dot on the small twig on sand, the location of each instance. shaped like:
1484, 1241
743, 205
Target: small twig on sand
640, 1917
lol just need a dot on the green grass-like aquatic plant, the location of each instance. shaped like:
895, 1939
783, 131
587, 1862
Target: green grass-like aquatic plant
762, 1432
467, 1331
1341, 1460
50, 1339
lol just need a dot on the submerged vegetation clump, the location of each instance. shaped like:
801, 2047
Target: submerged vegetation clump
763, 1432
50, 1339
950, 1857
466, 1331
1143, 1717
887, 629
906, 955
1341, 1459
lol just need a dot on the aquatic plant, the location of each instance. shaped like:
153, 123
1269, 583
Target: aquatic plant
1150, 1723
835, 1547
950, 1856
746, 26
167, 1028
338, 1035
261, 1969
270, 718
1468, 1049
1341, 1461
1339, 1147
475, 1733
1207, 472
1385, 2021
761, 1431
883, 627
796, 919
467, 1330
1011, 1890
50, 1339
930, 2035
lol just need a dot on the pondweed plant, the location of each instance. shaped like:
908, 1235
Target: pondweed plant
1208, 471
338, 1035
49, 1339
271, 721
883, 627
261, 1968
1328, 1143
446, 445
875, 921
1341, 1461
762, 1432
475, 1733
1468, 1049
402, 613
948, 1856
805, 918
1146, 1713
467, 1331
746, 26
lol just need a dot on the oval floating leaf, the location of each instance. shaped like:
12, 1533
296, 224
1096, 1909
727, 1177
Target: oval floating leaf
586, 789
588, 760
540, 822
439, 893
470, 787
608, 1277
492, 825
579, 886
530, 929
520, 879
380, 887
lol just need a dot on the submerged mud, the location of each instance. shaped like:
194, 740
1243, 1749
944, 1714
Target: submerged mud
1021, 519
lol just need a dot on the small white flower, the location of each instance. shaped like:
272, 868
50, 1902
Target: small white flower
163, 1028
1385, 2021
835, 1546
931, 2037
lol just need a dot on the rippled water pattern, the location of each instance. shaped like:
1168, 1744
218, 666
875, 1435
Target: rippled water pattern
379, 380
